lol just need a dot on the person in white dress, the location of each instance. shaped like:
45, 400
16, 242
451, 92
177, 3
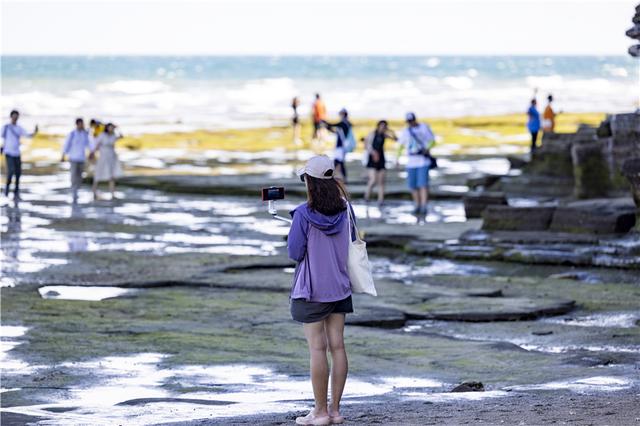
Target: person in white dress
108, 167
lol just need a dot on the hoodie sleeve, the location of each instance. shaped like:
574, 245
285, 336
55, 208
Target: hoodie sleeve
353, 215
297, 239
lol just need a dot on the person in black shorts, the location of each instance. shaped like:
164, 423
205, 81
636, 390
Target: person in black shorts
295, 121
374, 145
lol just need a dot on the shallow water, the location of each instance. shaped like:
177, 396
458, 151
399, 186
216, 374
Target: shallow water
81, 292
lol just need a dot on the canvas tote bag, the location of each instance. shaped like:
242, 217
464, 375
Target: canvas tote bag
358, 265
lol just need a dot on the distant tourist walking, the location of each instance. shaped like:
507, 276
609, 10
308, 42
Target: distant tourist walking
11, 134
533, 124
318, 116
108, 167
418, 139
321, 293
295, 121
549, 117
344, 143
75, 148
376, 164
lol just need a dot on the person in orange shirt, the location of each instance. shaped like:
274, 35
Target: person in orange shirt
549, 117
319, 112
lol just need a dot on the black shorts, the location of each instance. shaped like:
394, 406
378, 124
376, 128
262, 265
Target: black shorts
377, 165
306, 312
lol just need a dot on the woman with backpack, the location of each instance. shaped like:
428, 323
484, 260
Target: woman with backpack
345, 142
319, 241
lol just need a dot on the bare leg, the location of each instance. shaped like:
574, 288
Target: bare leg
317, 341
94, 188
112, 188
416, 198
381, 176
370, 184
339, 363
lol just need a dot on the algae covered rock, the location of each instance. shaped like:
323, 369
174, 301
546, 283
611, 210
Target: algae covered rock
509, 218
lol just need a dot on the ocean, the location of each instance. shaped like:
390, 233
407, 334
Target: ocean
158, 94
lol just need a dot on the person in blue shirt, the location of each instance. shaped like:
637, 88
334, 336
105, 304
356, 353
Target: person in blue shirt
75, 148
533, 124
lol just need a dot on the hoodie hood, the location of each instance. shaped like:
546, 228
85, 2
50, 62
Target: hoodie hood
329, 225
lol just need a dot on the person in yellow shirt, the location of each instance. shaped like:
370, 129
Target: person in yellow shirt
549, 117
96, 127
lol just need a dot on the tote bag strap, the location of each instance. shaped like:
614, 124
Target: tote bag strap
352, 222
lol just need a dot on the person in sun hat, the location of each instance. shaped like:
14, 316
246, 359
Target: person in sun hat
320, 297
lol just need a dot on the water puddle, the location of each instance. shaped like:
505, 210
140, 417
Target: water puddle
9, 339
136, 390
609, 320
383, 268
88, 293
585, 385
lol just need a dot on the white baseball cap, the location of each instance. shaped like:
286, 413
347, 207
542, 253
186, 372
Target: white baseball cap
320, 167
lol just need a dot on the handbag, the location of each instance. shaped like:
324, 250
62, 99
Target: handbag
358, 264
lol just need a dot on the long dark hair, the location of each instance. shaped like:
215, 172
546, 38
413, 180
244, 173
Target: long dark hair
326, 196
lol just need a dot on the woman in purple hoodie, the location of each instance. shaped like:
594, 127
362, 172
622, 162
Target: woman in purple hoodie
321, 294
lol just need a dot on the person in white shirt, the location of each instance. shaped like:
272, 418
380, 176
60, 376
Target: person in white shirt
418, 139
75, 148
11, 134
108, 167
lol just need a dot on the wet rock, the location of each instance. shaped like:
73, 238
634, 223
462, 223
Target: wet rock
508, 218
590, 168
631, 170
377, 317
144, 401
542, 333
485, 309
516, 162
476, 202
469, 387
51, 293
483, 181
553, 158
600, 216
576, 276
548, 256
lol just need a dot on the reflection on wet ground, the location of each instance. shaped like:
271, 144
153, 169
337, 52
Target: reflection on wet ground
38, 230
140, 390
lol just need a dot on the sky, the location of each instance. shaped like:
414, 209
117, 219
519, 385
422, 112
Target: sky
315, 27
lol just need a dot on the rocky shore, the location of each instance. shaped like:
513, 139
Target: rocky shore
170, 305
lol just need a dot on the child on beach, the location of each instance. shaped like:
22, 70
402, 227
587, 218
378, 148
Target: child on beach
418, 139
321, 294
108, 167
374, 146
75, 147
11, 134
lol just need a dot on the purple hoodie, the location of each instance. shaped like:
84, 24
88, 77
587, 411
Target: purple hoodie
320, 245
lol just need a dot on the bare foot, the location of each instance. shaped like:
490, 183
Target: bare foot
335, 417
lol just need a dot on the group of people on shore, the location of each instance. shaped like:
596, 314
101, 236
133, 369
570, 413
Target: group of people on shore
534, 124
417, 139
81, 144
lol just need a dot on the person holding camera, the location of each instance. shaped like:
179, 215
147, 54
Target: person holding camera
319, 241
418, 139
11, 134
376, 163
